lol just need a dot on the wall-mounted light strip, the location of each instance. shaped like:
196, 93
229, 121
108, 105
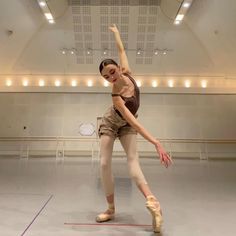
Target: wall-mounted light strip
46, 11
204, 83
73, 83
89, 83
139, 83
48, 81
8, 83
106, 83
25, 82
185, 5
154, 84
41, 83
171, 83
187, 83
57, 83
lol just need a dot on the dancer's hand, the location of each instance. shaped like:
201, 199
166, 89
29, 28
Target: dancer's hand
164, 157
114, 29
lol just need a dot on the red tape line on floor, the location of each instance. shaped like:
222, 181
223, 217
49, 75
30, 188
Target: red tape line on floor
102, 224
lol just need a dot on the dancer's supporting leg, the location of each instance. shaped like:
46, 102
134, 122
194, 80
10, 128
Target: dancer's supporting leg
129, 143
106, 148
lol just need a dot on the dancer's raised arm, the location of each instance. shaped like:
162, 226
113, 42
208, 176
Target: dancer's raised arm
121, 50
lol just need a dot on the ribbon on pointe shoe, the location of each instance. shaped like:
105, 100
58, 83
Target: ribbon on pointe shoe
109, 214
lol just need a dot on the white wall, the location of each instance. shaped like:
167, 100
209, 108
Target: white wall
165, 115
190, 116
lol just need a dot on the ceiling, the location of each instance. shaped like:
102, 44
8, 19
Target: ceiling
203, 45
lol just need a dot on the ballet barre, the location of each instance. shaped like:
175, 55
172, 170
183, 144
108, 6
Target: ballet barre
62, 146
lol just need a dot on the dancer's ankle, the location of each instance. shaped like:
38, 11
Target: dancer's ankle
111, 206
151, 197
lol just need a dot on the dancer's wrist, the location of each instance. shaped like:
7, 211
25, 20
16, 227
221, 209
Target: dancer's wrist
157, 143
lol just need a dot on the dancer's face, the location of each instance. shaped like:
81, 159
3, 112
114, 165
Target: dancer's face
111, 73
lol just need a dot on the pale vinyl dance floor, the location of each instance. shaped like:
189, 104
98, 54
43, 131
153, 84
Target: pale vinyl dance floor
39, 197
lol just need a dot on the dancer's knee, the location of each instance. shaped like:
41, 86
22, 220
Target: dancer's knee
105, 164
135, 172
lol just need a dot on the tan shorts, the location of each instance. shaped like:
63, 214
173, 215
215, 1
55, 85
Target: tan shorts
114, 125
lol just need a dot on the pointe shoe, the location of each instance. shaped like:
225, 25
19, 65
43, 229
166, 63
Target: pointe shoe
109, 214
154, 207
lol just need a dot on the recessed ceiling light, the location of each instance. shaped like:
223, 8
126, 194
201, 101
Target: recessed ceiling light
182, 11
139, 51
73, 51
156, 52
89, 51
51, 21
177, 22
63, 51
48, 16
179, 17
42, 3
186, 4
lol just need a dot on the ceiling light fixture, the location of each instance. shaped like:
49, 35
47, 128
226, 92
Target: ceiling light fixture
139, 51
185, 5
48, 16
89, 51
46, 11
73, 51
105, 52
64, 51
42, 3
179, 17
51, 21
164, 51
156, 52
